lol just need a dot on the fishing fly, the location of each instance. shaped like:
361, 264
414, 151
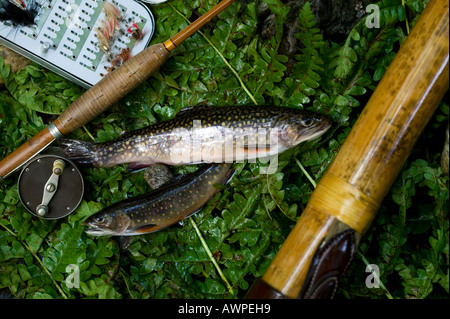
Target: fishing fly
105, 35
135, 31
18, 12
108, 28
112, 26
112, 14
123, 56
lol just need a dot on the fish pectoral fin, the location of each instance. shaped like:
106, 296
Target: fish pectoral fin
255, 149
134, 167
194, 212
181, 221
148, 228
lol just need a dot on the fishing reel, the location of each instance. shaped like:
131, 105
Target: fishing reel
50, 186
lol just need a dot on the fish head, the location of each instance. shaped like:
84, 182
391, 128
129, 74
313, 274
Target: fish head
305, 126
107, 223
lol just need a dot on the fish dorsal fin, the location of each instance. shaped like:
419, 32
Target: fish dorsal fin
198, 109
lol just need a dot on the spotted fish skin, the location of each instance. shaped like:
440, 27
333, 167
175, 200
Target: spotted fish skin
172, 202
205, 135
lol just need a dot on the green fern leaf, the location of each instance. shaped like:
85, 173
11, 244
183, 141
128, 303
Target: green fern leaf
308, 69
391, 11
345, 57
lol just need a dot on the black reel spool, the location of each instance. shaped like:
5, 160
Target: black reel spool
50, 186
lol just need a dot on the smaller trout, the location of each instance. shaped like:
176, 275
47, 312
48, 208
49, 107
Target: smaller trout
158, 209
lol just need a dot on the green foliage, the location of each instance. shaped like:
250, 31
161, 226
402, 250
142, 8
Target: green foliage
411, 243
41, 90
306, 74
227, 63
350, 66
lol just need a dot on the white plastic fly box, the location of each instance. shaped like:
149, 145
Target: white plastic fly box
82, 40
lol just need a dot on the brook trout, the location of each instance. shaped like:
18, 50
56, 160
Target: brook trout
205, 135
173, 201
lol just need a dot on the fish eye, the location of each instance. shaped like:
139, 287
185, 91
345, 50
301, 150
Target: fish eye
99, 219
307, 122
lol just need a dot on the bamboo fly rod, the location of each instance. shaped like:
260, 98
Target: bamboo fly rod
320, 247
101, 96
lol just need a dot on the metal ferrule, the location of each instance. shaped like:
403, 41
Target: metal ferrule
54, 131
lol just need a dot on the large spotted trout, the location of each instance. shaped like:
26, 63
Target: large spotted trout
162, 207
205, 135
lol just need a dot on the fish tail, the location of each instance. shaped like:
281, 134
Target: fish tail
82, 153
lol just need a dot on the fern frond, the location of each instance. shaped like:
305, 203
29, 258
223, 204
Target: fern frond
345, 58
353, 67
280, 11
391, 11
308, 69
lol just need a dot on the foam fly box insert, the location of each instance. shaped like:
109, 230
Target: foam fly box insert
82, 40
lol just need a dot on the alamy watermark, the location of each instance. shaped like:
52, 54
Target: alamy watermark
373, 19
73, 279
373, 280
221, 144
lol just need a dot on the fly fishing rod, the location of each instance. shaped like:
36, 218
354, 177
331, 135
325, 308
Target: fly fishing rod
321, 246
101, 96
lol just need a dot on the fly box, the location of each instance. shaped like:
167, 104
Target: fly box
82, 40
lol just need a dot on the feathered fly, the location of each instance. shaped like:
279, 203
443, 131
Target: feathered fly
19, 13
